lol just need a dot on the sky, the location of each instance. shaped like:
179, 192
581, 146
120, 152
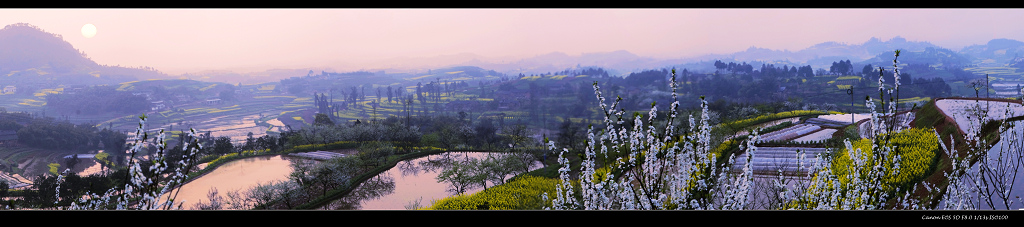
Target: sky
179, 41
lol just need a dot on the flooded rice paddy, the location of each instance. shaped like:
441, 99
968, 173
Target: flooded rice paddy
412, 183
407, 183
235, 175
235, 127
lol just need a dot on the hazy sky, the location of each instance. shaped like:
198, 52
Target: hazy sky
188, 40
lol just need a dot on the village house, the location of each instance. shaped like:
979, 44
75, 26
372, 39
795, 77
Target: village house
158, 105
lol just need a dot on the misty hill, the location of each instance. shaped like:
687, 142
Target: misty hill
823, 54
996, 52
936, 57
472, 72
618, 63
227, 76
28, 53
874, 51
623, 62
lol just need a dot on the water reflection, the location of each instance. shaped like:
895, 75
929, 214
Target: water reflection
411, 181
87, 167
376, 187
236, 130
236, 175
409, 168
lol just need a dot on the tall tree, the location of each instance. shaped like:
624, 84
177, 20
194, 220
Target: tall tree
570, 135
223, 145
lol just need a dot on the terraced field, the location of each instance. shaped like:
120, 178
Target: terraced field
768, 161
818, 136
790, 133
29, 162
961, 110
1000, 72
232, 119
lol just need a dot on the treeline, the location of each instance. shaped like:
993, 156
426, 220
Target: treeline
50, 133
449, 132
74, 186
843, 68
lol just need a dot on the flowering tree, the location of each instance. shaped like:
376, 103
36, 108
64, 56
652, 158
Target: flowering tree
984, 177
664, 170
867, 180
661, 169
144, 190
860, 180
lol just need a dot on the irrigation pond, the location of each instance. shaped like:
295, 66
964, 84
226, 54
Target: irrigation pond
411, 183
235, 175
408, 183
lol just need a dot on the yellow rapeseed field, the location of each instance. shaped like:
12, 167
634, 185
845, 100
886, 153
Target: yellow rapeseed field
917, 149
523, 193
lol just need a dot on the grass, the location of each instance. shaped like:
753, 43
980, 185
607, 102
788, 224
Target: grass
928, 117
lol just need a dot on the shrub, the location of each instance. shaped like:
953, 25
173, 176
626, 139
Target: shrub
54, 168
374, 152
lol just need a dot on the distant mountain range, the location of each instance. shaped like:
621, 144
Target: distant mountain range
27, 51
998, 52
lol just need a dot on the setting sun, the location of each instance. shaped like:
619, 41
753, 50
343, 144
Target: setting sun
89, 30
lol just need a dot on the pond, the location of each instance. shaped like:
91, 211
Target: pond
410, 183
236, 175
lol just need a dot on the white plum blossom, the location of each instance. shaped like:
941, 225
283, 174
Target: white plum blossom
143, 192
661, 170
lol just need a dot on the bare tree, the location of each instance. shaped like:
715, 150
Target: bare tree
214, 204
